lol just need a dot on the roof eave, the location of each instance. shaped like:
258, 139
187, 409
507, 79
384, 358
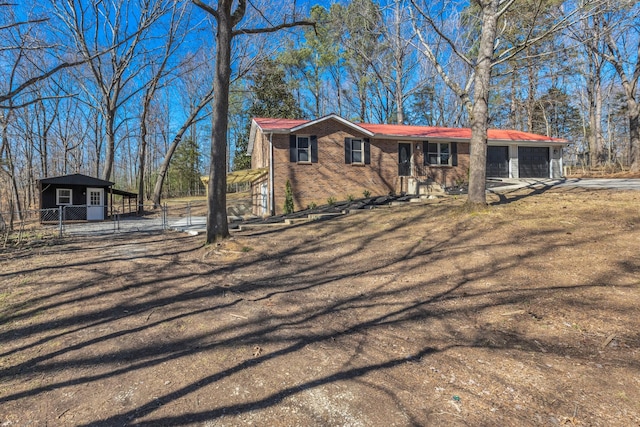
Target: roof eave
333, 116
529, 141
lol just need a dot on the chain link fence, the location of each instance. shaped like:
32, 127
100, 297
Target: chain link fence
66, 221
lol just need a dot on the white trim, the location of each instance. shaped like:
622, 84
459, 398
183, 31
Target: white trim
362, 142
439, 154
272, 210
58, 197
334, 117
252, 136
95, 212
308, 149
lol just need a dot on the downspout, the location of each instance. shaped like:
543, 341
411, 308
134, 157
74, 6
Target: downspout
272, 198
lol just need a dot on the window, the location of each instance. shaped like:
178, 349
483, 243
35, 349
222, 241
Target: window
441, 154
357, 151
63, 196
303, 149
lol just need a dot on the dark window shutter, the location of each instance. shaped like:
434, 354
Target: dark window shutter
425, 153
347, 151
367, 152
314, 148
454, 154
293, 149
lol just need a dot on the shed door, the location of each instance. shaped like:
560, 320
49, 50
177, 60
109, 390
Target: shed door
533, 162
95, 204
497, 162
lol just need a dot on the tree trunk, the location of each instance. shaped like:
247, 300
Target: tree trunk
398, 63
594, 93
142, 158
480, 113
634, 133
531, 96
162, 173
111, 144
217, 226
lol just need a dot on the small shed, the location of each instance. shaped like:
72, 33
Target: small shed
81, 197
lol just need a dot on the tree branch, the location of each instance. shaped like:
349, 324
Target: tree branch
274, 28
238, 14
446, 38
505, 7
17, 24
33, 101
33, 80
206, 8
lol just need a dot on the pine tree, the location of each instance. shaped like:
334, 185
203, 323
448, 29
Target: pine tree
272, 98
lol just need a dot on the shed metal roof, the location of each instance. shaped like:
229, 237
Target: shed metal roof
77, 179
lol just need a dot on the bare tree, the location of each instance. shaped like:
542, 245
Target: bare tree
227, 19
487, 55
118, 28
164, 167
172, 42
590, 33
621, 35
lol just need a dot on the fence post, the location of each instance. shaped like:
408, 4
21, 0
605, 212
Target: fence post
60, 220
164, 216
188, 213
116, 220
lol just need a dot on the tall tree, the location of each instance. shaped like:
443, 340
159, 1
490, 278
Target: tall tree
360, 29
227, 19
191, 118
118, 28
272, 97
482, 57
309, 64
621, 34
158, 73
185, 169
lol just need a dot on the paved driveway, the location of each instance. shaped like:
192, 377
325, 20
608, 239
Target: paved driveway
592, 183
617, 184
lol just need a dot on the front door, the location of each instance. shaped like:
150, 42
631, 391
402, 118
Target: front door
263, 199
95, 204
404, 159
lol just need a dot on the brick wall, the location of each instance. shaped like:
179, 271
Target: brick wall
330, 177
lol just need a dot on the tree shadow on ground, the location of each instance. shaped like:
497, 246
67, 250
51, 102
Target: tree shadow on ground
330, 287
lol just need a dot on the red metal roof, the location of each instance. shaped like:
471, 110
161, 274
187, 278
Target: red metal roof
384, 130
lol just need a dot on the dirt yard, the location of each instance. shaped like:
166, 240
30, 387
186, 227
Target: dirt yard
525, 314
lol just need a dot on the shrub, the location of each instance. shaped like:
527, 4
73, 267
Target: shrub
331, 201
288, 198
366, 194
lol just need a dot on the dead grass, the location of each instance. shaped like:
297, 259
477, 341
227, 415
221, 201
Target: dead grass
526, 313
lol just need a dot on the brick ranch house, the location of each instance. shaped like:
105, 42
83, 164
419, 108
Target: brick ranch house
331, 157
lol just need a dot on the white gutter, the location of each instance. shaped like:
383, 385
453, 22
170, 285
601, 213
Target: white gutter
272, 211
